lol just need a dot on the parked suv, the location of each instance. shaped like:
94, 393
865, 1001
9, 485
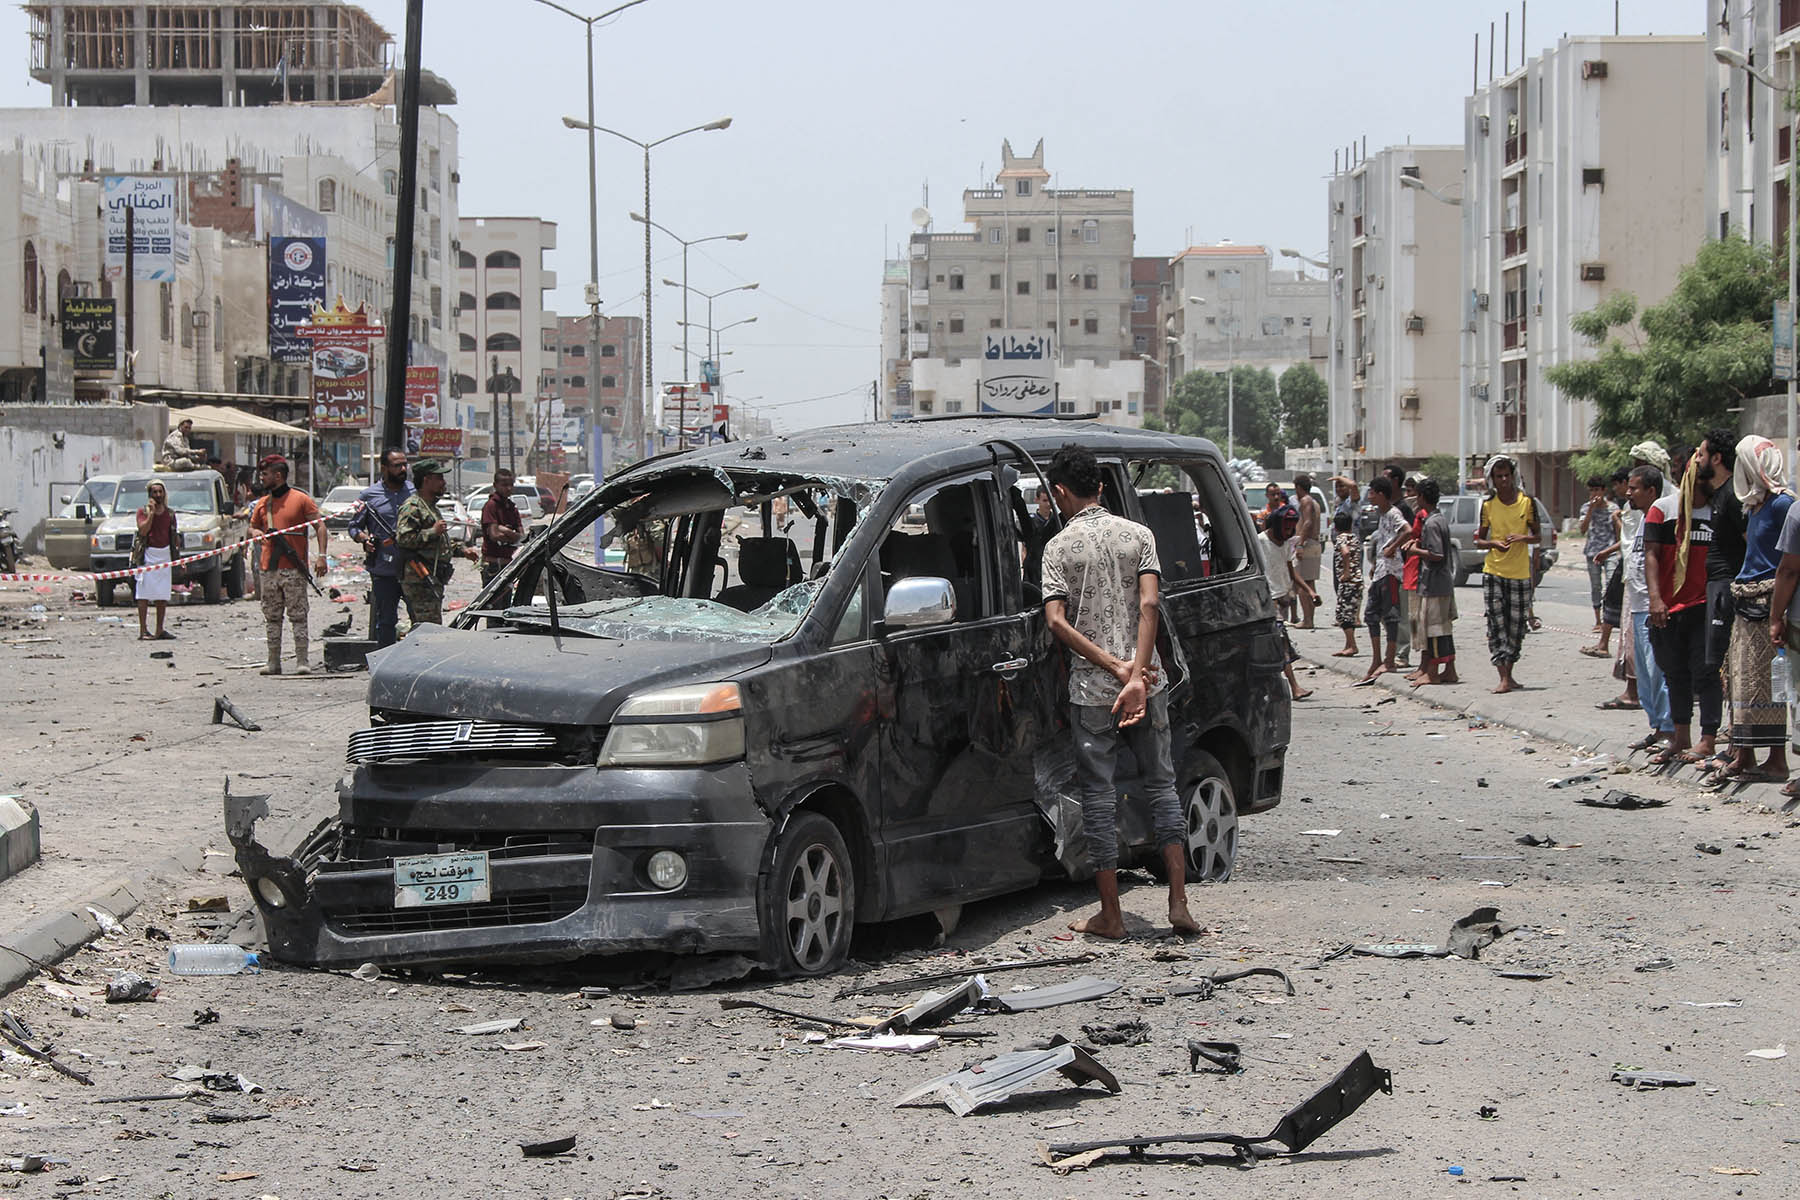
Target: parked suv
204, 520
754, 738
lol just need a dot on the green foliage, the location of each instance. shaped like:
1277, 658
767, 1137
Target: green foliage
1304, 416
1686, 361
1155, 425
1441, 467
1197, 405
1602, 459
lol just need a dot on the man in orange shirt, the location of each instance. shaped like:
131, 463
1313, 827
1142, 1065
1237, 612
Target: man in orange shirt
284, 575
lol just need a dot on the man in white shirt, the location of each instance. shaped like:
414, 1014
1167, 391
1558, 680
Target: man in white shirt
1643, 489
1382, 606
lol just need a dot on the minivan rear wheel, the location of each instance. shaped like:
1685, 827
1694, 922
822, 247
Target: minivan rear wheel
809, 899
1212, 825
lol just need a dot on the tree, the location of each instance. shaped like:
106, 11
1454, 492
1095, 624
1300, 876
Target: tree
1677, 371
1305, 418
1197, 408
1443, 468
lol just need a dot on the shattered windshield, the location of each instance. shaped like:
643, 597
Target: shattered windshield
693, 552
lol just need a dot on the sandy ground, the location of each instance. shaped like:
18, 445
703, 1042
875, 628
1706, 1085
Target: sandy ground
696, 1101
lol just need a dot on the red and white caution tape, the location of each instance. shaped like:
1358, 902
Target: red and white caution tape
127, 573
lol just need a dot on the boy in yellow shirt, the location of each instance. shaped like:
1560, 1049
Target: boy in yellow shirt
1507, 532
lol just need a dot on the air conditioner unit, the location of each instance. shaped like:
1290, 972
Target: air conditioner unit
1593, 272
1409, 172
1479, 391
1211, 274
1481, 123
1337, 206
1340, 345
1369, 359
1594, 68
1481, 300
1593, 177
1380, 282
1409, 400
1415, 324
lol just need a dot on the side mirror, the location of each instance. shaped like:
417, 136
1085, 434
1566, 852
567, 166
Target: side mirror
65, 499
919, 602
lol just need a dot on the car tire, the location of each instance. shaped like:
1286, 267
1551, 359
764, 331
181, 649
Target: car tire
103, 592
1209, 808
213, 586
234, 578
808, 899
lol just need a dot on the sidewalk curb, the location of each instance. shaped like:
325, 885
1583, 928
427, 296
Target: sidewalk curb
53, 938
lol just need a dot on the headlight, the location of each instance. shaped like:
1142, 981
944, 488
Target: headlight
271, 892
639, 737
197, 541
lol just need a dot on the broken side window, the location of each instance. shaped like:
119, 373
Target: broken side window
1196, 517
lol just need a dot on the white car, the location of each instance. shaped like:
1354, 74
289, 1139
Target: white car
336, 506
462, 527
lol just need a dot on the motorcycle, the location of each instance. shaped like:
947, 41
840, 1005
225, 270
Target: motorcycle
9, 543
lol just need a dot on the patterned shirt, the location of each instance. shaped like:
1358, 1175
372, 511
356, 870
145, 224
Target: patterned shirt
1093, 566
416, 535
1600, 529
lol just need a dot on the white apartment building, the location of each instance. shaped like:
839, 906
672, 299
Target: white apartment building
1396, 322
1226, 303
1585, 175
1749, 129
506, 339
1035, 257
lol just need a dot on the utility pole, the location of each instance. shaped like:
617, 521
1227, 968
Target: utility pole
393, 427
130, 387
493, 414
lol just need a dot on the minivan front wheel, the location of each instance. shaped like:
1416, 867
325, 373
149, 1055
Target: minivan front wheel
809, 899
1212, 824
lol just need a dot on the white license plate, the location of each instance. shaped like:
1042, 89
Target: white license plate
423, 879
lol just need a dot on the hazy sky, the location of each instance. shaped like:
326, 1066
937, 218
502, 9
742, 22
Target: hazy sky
1221, 115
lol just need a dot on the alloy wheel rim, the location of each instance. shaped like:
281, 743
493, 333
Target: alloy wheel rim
815, 906
1211, 830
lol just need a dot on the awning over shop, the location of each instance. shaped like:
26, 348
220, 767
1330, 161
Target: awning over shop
210, 419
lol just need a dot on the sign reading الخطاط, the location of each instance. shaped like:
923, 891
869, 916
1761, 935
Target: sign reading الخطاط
1018, 372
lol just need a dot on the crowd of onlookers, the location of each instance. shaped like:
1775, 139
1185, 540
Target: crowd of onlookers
1693, 562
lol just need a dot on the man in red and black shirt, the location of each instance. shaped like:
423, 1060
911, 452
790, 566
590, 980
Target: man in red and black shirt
1677, 535
501, 528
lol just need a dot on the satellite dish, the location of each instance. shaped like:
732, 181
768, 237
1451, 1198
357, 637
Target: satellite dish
921, 216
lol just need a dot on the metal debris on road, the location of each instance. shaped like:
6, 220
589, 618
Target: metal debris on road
997, 1079
1707, 848
907, 985
1480, 928
1656, 964
1528, 975
1633, 1078
891, 1043
502, 1025
1222, 1055
1074, 992
1403, 950
1623, 801
554, 1146
1779, 1050
933, 1007
10, 1031
1299, 1129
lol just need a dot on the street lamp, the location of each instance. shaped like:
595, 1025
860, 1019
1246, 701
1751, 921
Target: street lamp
716, 334
1413, 181
710, 297
1230, 381
685, 243
1307, 259
593, 288
1734, 58
635, 427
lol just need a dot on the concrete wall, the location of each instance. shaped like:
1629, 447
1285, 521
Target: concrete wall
46, 444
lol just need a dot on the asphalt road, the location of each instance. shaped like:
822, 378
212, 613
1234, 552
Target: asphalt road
697, 1101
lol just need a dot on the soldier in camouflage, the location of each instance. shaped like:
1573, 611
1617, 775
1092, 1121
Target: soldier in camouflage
426, 553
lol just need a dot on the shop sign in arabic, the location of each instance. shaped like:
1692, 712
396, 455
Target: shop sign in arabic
151, 201
1018, 372
296, 287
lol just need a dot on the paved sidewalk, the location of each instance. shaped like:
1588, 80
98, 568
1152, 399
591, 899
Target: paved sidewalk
1562, 686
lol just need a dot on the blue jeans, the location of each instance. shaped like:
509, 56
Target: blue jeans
384, 609
1653, 692
1097, 738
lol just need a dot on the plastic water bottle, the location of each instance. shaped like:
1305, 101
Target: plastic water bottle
211, 959
1778, 679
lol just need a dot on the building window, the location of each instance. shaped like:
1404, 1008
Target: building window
503, 341
503, 301
187, 327
465, 302
437, 237
466, 341
953, 406
1022, 233
1090, 231
993, 283
464, 385
549, 344
503, 260
1050, 281
28, 280
996, 234
390, 181
1140, 343
1022, 187
437, 307
1090, 280
609, 352
465, 261
956, 279
1271, 326
578, 351
1140, 303
609, 381
578, 381
956, 323
1049, 237
1090, 323
993, 322
166, 310
327, 195
1022, 287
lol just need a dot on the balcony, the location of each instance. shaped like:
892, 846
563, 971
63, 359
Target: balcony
1512, 242
920, 297
919, 343
1514, 149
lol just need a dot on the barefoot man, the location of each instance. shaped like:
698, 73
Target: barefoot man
1508, 531
1101, 579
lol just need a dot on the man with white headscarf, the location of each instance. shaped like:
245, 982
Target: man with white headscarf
1759, 479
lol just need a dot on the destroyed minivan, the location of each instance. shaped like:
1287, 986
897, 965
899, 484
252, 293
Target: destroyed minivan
818, 691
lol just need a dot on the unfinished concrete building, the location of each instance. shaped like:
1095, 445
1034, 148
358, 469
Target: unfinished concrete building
96, 53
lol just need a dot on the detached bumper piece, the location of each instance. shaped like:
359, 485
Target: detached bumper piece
1004, 1075
1292, 1134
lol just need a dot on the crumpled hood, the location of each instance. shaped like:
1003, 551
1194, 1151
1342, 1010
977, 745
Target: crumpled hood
494, 675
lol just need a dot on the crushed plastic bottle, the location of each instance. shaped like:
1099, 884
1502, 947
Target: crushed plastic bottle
211, 959
1779, 690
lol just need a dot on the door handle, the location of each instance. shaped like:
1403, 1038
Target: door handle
1010, 665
